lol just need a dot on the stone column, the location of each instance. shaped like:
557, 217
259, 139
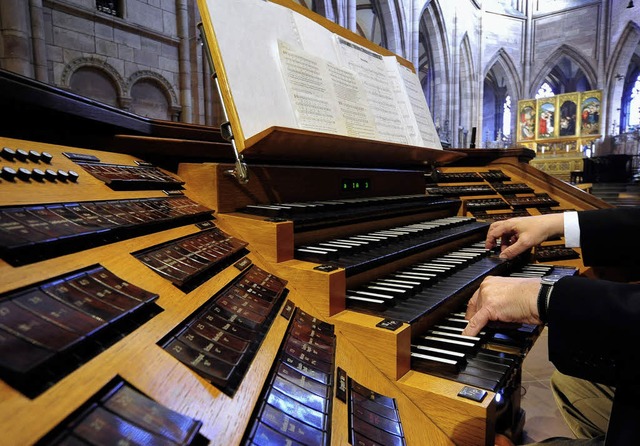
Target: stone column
38, 41
16, 33
182, 19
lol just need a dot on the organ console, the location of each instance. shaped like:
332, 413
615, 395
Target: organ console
149, 297
313, 304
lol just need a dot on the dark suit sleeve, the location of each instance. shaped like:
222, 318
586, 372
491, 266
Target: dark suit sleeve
610, 237
594, 329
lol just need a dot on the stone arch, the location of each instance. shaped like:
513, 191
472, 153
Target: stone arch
392, 20
369, 23
500, 79
465, 101
555, 59
148, 102
99, 76
325, 8
434, 67
624, 62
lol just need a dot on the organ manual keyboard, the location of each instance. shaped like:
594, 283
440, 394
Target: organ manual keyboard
415, 271
313, 301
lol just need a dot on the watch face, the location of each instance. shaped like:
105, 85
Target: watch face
551, 279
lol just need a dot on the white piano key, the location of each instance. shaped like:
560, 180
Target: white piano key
451, 342
438, 350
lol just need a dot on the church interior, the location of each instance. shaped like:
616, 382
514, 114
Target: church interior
194, 253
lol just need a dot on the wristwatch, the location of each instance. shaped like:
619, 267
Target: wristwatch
546, 287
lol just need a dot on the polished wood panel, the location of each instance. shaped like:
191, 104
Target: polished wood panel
137, 358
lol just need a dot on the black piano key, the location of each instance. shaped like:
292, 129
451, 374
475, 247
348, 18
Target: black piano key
489, 365
476, 381
427, 363
445, 343
499, 357
392, 243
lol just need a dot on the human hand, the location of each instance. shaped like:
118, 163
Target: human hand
505, 299
519, 234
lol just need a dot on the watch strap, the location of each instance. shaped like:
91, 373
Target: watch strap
543, 301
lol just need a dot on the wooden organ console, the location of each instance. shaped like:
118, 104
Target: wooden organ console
149, 297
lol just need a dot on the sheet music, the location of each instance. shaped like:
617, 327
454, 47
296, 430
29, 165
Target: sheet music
420, 108
285, 70
404, 105
249, 30
371, 69
325, 97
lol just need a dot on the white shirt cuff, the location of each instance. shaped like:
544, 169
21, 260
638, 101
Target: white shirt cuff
571, 229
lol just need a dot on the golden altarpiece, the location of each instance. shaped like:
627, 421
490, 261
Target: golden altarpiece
562, 129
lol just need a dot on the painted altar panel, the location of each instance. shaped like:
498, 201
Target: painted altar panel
590, 102
568, 114
526, 120
547, 109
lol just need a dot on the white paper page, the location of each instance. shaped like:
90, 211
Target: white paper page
351, 99
247, 32
310, 90
316, 39
371, 69
405, 107
325, 97
420, 108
